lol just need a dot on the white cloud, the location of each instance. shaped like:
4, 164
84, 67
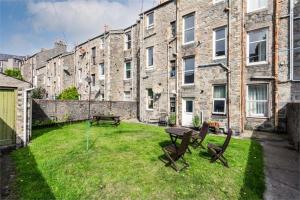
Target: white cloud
80, 20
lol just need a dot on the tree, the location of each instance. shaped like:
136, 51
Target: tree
16, 73
69, 94
38, 93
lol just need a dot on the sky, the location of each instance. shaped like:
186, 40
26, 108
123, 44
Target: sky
26, 26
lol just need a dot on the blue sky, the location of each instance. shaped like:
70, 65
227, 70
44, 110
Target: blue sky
26, 26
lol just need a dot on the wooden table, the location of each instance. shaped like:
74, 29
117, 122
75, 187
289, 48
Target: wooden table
115, 119
177, 132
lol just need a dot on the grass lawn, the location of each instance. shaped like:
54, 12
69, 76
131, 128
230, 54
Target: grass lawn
123, 163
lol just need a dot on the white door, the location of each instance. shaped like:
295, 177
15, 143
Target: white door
187, 112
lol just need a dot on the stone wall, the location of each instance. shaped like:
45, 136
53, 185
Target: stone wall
293, 123
62, 110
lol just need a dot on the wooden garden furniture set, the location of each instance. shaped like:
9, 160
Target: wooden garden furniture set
188, 137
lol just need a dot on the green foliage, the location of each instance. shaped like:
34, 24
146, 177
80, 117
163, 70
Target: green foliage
172, 119
16, 73
69, 94
196, 121
125, 159
38, 93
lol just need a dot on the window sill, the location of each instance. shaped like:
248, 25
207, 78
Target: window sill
188, 43
257, 64
188, 85
149, 69
149, 110
150, 27
257, 10
127, 80
219, 58
218, 114
257, 117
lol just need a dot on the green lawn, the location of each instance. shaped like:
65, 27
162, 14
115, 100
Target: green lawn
123, 163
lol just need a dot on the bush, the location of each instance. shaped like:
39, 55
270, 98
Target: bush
38, 93
69, 94
15, 73
196, 121
172, 119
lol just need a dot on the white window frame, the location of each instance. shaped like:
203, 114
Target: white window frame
126, 41
250, 115
149, 99
80, 75
150, 26
125, 71
256, 9
248, 47
219, 99
184, 108
183, 78
101, 76
147, 58
183, 28
214, 43
128, 98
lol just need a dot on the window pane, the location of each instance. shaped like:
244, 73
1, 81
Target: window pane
189, 21
219, 91
257, 35
150, 19
220, 48
189, 35
150, 56
219, 106
257, 51
189, 106
128, 74
189, 77
189, 64
220, 34
128, 66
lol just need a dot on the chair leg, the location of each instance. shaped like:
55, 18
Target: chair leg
223, 160
171, 161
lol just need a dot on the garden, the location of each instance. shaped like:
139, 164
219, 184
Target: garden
75, 161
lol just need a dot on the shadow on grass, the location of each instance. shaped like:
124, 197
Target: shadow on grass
254, 181
37, 132
29, 183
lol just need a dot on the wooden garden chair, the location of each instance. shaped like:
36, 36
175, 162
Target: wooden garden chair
174, 153
197, 139
217, 152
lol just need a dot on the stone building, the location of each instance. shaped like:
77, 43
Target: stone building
110, 60
57, 75
39, 60
257, 87
10, 62
157, 60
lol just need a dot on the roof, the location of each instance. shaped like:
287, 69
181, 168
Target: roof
6, 84
158, 6
9, 56
62, 55
101, 35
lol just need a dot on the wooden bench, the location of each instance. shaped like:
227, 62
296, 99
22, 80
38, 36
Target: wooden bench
114, 119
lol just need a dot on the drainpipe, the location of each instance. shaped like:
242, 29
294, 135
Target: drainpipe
242, 100
227, 9
177, 66
291, 39
25, 114
276, 22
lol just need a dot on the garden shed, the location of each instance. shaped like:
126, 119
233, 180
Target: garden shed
15, 112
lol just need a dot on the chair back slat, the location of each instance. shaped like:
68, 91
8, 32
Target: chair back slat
185, 143
227, 140
204, 130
